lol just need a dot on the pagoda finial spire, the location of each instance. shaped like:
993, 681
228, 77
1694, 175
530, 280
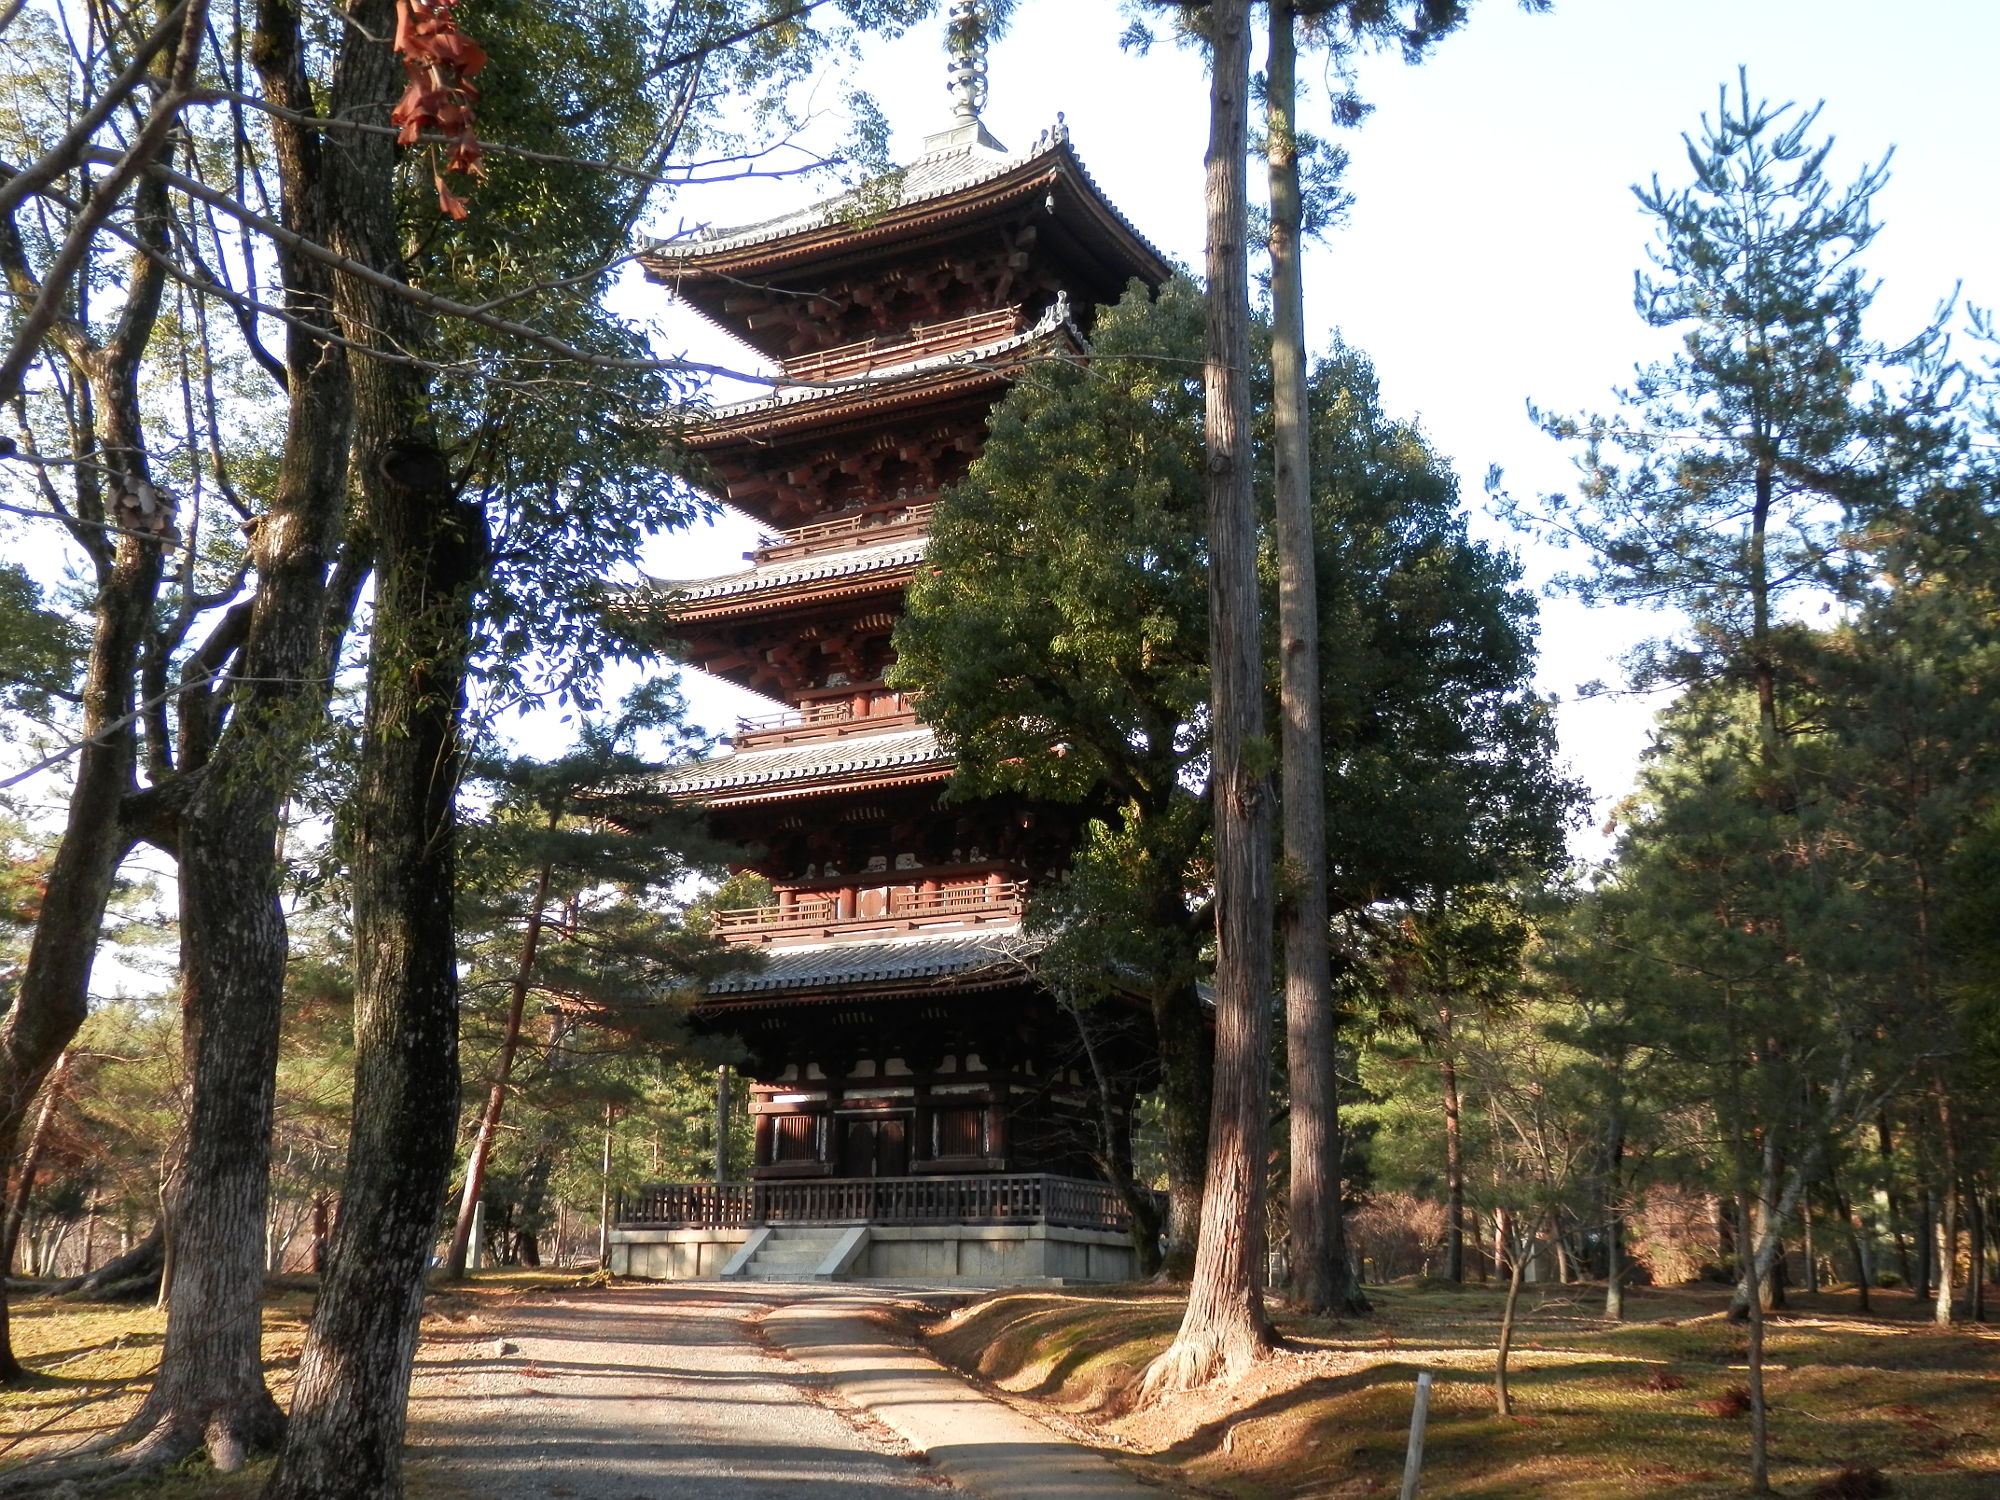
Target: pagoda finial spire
966, 71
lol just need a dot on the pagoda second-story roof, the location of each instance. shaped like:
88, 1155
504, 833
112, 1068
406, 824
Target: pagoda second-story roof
894, 758
810, 404
825, 576
948, 191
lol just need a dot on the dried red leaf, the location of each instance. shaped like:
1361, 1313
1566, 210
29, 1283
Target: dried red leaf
440, 60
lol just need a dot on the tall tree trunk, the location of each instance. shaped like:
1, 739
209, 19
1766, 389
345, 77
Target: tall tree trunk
1947, 1218
503, 1071
1225, 1327
242, 744
348, 1416
1114, 1153
1320, 1277
1975, 1292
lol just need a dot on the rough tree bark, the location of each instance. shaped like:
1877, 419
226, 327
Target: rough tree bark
1225, 1327
348, 1416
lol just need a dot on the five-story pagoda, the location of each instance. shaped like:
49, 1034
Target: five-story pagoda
910, 1079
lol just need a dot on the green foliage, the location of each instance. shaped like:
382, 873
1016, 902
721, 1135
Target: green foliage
582, 851
1742, 466
41, 650
1059, 640
1441, 760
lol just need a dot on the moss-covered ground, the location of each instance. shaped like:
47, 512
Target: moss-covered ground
1639, 1410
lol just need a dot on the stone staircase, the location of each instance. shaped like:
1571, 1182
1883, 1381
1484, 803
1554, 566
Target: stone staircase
791, 1253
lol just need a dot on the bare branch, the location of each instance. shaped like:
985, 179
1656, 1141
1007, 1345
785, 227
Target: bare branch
68, 151
164, 115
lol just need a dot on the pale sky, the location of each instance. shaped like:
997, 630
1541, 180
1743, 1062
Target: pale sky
1489, 256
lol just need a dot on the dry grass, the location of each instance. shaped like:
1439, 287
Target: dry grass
90, 1364
1603, 1411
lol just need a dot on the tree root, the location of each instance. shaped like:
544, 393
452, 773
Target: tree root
74, 1473
1192, 1361
144, 1446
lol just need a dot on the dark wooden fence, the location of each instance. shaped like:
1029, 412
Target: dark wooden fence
1011, 1198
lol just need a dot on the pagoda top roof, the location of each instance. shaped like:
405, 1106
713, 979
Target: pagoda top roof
896, 755
954, 162
961, 182
1001, 951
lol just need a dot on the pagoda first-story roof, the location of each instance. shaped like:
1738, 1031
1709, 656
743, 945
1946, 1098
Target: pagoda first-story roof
897, 757
803, 580
991, 956
952, 191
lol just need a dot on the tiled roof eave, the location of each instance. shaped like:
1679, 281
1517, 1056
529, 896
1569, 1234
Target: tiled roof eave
960, 961
790, 597
803, 234
793, 791
801, 237
843, 992
942, 375
894, 752
852, 564
768, 416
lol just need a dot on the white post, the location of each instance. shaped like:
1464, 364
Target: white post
1413, 1462
476, 1252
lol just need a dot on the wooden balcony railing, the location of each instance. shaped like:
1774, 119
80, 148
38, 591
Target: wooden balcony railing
846, 361
882, 523
1001, 1198
798, 718
902, 907
867, 710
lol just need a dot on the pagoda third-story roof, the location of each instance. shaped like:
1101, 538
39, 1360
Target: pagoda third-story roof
945, 193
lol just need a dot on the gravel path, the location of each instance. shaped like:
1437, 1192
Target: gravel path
639, 1393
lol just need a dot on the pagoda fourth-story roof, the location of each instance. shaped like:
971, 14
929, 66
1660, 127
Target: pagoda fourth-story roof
962, 183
